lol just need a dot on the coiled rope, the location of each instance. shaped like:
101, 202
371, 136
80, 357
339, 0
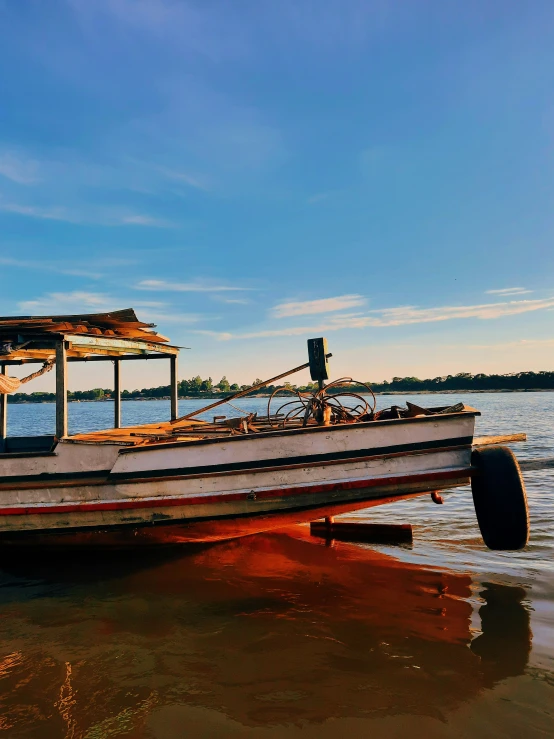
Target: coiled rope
321, 408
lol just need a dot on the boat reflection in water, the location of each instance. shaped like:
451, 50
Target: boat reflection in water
253, 634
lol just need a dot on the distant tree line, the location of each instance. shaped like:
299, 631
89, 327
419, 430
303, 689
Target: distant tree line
467, 381
97, 393
196, 387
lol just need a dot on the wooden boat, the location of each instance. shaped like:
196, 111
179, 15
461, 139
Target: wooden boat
192, 481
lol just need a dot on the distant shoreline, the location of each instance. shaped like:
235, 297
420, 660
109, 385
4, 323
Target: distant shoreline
218, 396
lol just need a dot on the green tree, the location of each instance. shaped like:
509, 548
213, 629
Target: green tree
207, 385
223, 385
196, 383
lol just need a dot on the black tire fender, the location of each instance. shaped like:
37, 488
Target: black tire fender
499, 498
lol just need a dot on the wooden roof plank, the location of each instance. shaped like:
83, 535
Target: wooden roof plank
112, 334
119, 316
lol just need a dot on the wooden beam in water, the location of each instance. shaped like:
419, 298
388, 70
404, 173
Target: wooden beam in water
502, 439
363, 532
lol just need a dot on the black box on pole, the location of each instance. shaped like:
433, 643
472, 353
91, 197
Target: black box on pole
317, 356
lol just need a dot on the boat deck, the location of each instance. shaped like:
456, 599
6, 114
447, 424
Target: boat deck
196, 430
188, 430
148, 433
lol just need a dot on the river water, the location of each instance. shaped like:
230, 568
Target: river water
282, 635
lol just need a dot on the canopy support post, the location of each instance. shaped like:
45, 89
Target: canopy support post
117, 393
173, 387
61, 389
3, 412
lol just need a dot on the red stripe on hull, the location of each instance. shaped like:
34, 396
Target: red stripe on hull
119, 505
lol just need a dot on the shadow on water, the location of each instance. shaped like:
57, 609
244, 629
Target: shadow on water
267, 631
505, 642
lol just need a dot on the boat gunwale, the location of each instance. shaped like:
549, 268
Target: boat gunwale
22, 455
294, 431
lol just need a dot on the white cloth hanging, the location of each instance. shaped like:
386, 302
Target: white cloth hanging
11, 384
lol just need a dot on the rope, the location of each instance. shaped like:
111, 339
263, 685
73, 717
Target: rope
11, 384
322, 408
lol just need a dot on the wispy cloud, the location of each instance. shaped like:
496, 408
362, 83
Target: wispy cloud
74, 301
57, 267
311, 307
181, 318
407, 314
143, 220
82, 301
187, 287
17, 169
507, 291
188, 179
233, 301
92, 216
219, 335
400, 316
49, 214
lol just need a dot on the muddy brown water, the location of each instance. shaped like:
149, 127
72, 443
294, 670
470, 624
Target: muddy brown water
283, 634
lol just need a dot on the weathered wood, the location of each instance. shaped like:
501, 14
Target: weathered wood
501, 439
106, 335
173, 385
107, 357
3, 409
241, 393
360, 531
117, 394
61, 389
107, 343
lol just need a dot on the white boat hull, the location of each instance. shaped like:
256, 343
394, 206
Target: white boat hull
95, 494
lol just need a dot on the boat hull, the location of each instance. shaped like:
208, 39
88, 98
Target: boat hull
178, 493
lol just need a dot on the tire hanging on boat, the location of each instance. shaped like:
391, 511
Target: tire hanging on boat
500, 499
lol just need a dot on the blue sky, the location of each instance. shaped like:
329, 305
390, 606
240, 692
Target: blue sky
250, 174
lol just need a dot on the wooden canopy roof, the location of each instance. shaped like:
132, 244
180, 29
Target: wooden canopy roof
93, 335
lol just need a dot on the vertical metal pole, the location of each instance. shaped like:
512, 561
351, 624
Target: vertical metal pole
61, 389
3, 412
117, 394
173, 388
